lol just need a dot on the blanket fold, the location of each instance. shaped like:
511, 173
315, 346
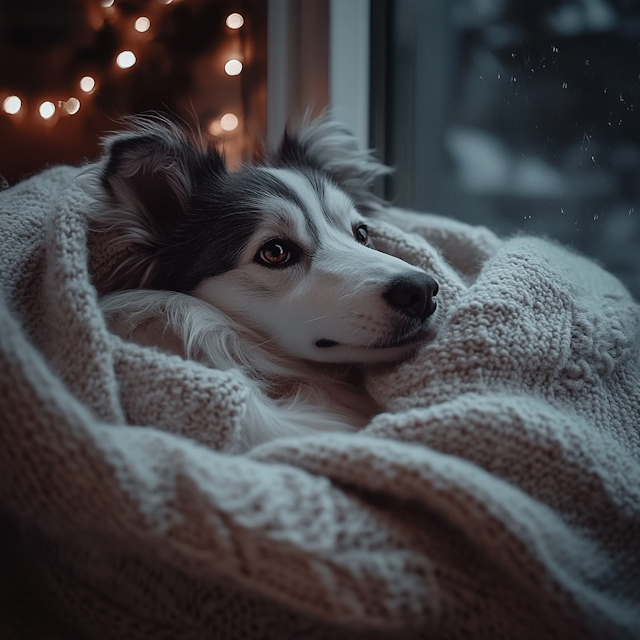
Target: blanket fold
497, 495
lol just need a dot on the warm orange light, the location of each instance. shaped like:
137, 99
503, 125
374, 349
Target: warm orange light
46, 109
233, 67
126, 59
229, 122
142, 24
234, 21
87, 84
12, 105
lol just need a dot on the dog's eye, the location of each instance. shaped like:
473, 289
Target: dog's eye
275, 253
362, 234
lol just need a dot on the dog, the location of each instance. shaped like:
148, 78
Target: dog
270, 270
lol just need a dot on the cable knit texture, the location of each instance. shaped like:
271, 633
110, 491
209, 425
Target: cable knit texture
497, 496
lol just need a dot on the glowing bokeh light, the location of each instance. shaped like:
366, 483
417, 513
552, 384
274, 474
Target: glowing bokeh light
72, 106
106, 3
126, 59
46, 109
233, 67
12, 105
142, 24
229, 122
87, 84
234, 21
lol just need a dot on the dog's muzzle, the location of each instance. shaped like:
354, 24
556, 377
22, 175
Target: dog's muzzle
413, 295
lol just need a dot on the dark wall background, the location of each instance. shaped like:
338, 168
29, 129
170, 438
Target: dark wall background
46, 46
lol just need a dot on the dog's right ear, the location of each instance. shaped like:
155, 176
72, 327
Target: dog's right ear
148, 174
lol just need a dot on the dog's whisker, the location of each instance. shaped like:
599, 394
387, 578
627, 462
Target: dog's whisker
314, 319
355, 330
255, 346
347, 295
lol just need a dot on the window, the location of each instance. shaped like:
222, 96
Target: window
517, 115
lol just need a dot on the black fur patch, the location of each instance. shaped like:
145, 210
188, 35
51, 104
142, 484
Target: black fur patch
221, 218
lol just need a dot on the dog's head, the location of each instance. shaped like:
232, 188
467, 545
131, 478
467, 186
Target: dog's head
283, 248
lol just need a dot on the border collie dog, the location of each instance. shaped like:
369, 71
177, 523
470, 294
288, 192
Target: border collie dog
270, 270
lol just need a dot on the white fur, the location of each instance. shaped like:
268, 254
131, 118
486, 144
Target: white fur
335, 296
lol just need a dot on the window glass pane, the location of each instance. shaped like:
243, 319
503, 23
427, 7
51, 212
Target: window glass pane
520, 115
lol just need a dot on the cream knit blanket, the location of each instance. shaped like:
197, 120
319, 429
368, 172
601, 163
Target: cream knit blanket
497, 497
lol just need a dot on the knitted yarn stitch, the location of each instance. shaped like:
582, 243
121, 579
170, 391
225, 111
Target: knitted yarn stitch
497, 496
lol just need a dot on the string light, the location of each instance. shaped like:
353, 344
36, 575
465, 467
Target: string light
12, 105
142, 24
233, 67
126, 59
229, 122
72, 106
87, 84
234, 21
46, 109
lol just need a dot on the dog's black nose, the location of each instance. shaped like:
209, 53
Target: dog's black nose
413, 295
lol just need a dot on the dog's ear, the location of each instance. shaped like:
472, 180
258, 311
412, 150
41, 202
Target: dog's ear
329, 146
150, 172
148, 175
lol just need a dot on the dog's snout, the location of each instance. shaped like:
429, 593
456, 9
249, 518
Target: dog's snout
413, 295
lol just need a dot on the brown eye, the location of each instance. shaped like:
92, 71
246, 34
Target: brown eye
275, 253
362, 234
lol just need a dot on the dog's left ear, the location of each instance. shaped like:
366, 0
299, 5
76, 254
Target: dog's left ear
330, 147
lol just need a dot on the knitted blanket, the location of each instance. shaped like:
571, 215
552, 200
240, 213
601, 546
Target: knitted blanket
497, 496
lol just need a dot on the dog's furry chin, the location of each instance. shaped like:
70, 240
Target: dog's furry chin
268, 272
